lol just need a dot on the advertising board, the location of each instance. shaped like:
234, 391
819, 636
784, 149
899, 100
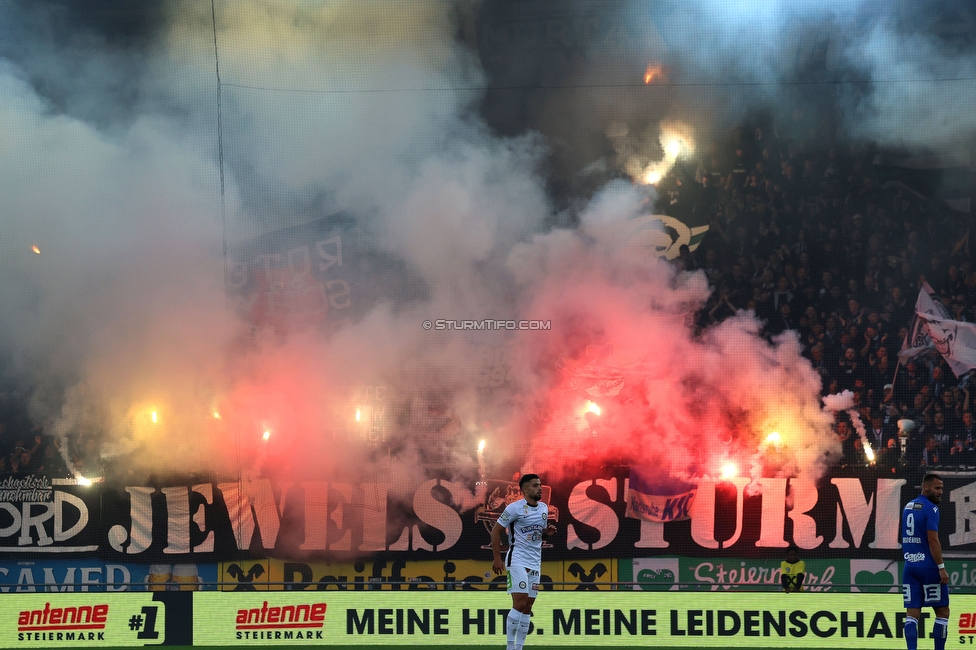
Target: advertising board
720, 620
82, 620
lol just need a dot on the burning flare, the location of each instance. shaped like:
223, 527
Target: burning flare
593, 408
654, 72
729, 470
36, 249
676, 140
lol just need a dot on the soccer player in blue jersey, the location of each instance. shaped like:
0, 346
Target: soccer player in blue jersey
924, 580
528, 522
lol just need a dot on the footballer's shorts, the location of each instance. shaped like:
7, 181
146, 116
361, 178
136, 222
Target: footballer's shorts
523, 580
922, 587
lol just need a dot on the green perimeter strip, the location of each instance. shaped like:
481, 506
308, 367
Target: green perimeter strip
420, 647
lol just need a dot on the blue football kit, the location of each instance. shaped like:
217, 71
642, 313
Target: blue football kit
921, 582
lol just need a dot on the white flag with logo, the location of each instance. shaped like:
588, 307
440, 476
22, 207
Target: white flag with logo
918, 340
955, 341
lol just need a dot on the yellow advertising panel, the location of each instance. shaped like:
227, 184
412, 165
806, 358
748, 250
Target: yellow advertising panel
588, 575
81, 619
721, 620
244, 575
399, 575
394, 575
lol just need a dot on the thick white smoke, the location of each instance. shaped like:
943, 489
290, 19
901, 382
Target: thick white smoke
123, 324
867, 63
895, 73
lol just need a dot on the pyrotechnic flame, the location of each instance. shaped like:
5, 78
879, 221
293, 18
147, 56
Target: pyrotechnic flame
729, 470
359, 415
862, 433
83, 481
868, 452
216, 415
154, 416
592, 408
676, 141
653, 73
774, 438
36, 249
266, 436
482, 484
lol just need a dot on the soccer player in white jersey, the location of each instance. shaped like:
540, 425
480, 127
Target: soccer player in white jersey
528, 522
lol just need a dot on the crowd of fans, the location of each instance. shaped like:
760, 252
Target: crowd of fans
24, 449
809, 238
804, 233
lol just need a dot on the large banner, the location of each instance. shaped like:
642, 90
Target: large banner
840, 517
320, 274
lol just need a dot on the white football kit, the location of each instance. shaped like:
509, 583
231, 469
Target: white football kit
525, 524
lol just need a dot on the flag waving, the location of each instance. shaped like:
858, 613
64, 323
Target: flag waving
933, 328
917, 340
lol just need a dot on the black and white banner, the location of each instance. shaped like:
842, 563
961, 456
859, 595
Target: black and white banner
843, 516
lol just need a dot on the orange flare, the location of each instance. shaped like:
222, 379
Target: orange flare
36, 249
654, 72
